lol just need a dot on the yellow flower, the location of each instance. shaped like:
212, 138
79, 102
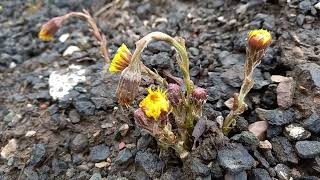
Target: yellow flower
48, 30
259, 39
155, 103
121, 60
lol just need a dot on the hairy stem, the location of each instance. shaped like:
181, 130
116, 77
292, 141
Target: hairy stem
100, 37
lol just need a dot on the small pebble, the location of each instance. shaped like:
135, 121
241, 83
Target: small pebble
30, 133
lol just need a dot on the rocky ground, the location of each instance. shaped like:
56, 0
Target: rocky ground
52, 131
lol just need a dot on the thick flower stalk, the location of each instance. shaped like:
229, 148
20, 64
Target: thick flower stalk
258, 42
153, 117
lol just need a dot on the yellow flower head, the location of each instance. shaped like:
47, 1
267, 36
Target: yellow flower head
155, 103
48, 30
259, 39
121, 60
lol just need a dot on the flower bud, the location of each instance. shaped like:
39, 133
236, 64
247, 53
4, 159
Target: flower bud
259, 39
49, 29
199, 94
199, 97
128, 86
145, 122
174, 94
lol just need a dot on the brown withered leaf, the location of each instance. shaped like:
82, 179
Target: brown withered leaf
202, 125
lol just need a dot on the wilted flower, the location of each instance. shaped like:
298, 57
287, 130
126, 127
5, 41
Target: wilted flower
174, 94
128, 86
155, 103
49, 29
259, 39
121, 60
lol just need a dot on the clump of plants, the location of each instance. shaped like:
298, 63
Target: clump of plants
183, 100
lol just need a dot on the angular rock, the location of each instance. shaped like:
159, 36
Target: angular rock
199, 168
123, 156
312, 123
284, 150
276, 117
79, 143
9, 149
236, 176
96, 176
283, 171
74, 116
296, 132
235, 158
308, 149
259, 129
247, 138
85, 107
150, 163
310, 71
285, 91
37, 154
99, 153
260, 174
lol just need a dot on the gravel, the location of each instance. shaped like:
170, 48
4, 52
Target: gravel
99, 153
308, 149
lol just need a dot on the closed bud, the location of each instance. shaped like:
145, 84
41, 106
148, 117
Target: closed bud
174, 94
199, 94
199, 97
49, 29
259, 39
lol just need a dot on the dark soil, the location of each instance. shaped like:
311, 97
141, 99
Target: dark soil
78, 136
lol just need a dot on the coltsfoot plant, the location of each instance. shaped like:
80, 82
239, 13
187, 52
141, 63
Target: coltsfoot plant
258, 42
183, 100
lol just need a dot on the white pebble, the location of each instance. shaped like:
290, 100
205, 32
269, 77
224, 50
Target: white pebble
70, 50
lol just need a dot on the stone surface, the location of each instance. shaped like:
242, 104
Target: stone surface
150, 163
265, 145
124, 156
235, 158
37, 154
9, 149
284, 150
283, 171
312, 123
99, 153
79, 143
199, 168
236, 176
275, 117
285, 91
259, 129
313, 70
296, 132
260, 174
247, 138
308, 149
96, 176
84, 107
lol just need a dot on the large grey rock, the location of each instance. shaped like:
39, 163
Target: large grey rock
284, 150
99, 153
37, 154
79, 143
150, 163
260, 174
276, 117
312, 72
312, 123
308, 149
235, 158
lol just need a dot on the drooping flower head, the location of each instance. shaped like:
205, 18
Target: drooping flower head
121, 60
259, 39
49, 29
199, 97
155, 103
128, 86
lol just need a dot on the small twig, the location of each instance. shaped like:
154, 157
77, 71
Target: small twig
21, 172
297, 40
